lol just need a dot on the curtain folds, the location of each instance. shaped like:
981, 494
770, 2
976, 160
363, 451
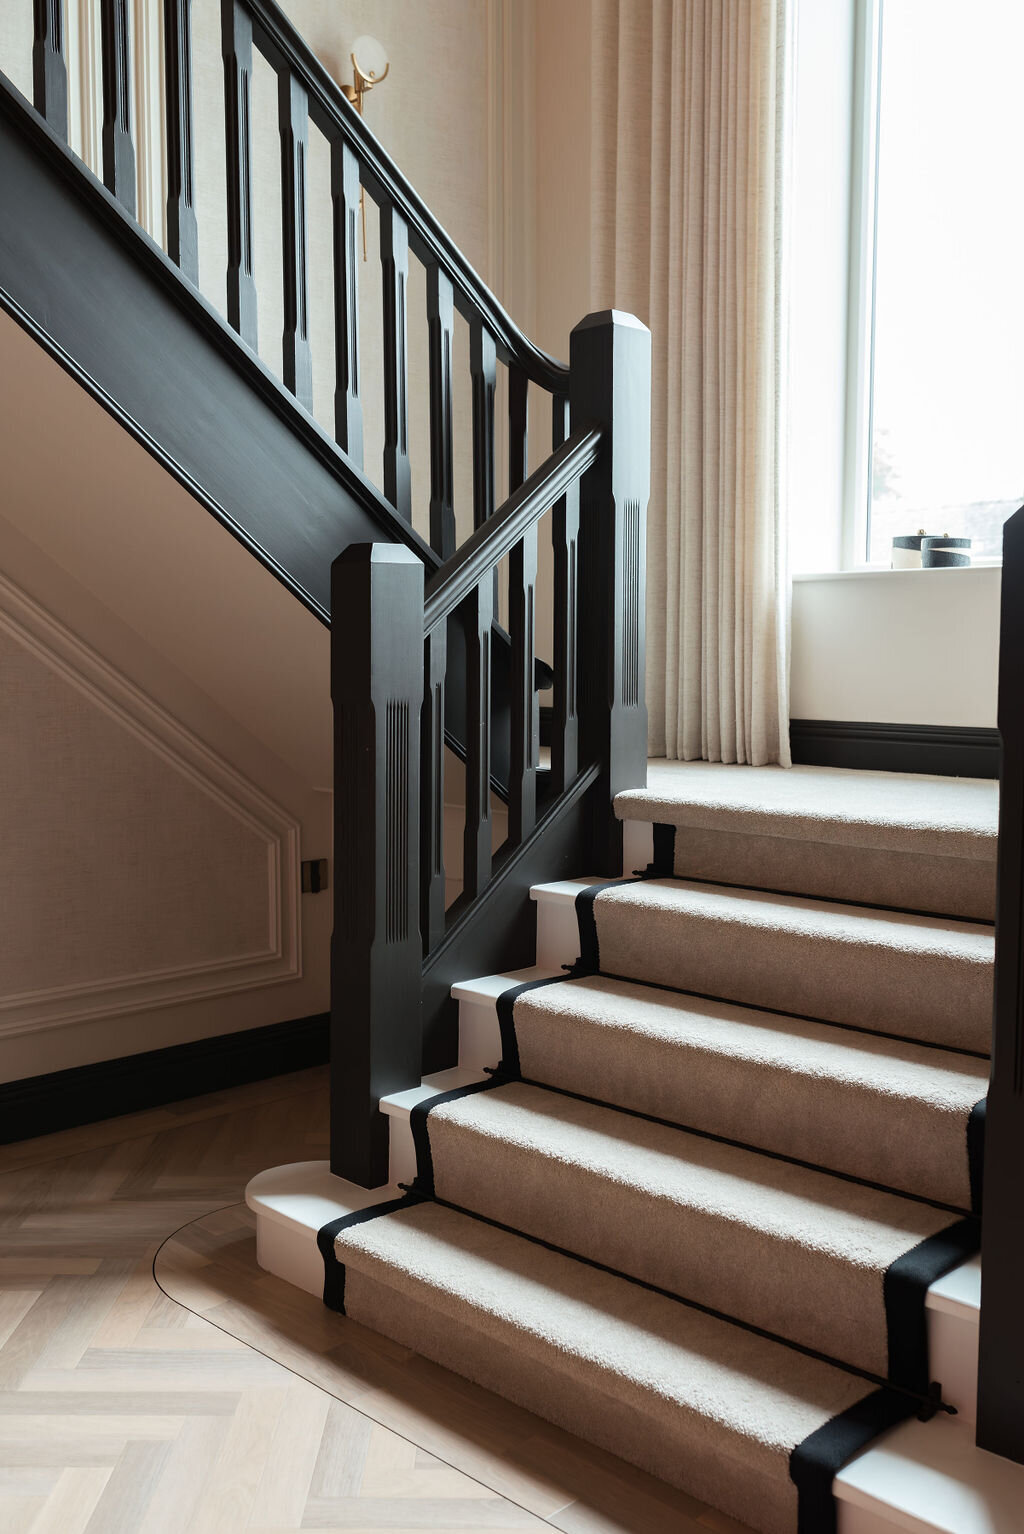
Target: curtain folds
688, 162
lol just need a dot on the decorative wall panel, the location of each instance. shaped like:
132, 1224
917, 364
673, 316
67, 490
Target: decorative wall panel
137, 868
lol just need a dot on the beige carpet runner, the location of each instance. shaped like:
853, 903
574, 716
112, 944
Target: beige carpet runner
694, 1213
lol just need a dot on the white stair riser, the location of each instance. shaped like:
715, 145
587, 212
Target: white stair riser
637, 846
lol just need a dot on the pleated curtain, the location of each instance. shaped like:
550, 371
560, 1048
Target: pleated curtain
688, 171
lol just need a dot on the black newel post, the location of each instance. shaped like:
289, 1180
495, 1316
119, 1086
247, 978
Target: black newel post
1001, 1343
376, 959
610, 384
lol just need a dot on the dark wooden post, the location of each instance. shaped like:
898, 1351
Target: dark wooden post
182, 231
49, 70
610, 384
236, 46
293, 122
348, 405
1001, 1343
376, 957
118, 149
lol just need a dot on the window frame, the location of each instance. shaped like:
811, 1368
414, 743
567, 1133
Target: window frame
855, 531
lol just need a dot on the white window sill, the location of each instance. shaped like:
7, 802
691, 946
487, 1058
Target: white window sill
877, 570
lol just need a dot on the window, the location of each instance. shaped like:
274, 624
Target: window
937, 403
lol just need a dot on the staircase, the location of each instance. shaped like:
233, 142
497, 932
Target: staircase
703, 1187
703, 1182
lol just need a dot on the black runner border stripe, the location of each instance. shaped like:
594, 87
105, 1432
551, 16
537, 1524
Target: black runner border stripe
816, 1460
905, 1284
334, 1271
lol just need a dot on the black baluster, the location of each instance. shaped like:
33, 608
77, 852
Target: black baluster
440, 323
478, 615
348, 407
522, 772
482, 367
394, 259
565, 531
518, 453
182, 231
118, 149
236, 45
49, 71
293, 121
432, 872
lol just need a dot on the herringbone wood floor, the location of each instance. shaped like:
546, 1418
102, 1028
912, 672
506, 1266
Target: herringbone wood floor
241, 1404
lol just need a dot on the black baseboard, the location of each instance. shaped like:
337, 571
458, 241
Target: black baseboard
41, 1105
951, 750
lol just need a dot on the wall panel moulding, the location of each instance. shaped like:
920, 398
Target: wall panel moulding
140, 869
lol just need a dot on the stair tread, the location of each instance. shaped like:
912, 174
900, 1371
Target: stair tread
701, 1381
880, 1108
719, 1224
922, 977
909, 812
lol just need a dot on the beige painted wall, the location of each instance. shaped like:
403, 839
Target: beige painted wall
165, 751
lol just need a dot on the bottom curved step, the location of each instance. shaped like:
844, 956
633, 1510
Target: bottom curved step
752, 1425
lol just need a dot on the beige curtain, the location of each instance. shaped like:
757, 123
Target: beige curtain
687, 162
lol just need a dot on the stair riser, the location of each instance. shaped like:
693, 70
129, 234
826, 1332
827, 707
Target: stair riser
957, 887
952, 1331
716, 1261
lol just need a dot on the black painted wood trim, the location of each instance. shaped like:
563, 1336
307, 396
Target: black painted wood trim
118, 148
40, 1105
182, 229
491, 541
212, 415
498, 931
278, 40
1001, 1340
947, 750
49, 69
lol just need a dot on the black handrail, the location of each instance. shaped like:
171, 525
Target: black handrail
484, 549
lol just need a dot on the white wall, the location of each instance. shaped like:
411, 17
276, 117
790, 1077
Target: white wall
897, 646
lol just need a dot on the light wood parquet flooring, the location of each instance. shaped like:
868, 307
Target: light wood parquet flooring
232, 1402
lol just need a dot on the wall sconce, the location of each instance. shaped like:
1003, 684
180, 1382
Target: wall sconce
370, 65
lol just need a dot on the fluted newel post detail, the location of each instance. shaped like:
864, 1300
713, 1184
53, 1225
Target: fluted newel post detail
1001, 1341
394, 258
376, 957
293, 121
348, 406
49, 70
440, 326
118, 149
565, 531
610, 384
236, 46
182, 230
